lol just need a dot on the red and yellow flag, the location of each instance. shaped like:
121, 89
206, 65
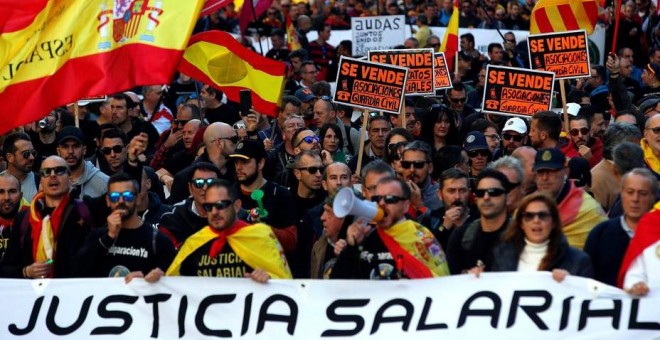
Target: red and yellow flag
450, 41
291, 37
53, 52
563, 15
217, 59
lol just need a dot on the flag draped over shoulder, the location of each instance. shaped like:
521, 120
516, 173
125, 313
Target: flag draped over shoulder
563, 15
450, 41
55, 52
217, 59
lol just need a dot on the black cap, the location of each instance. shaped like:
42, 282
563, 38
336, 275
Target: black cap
550, 158
70, 132
475, 140
248, 149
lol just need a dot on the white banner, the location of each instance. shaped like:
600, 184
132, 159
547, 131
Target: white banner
376, 33
495, 306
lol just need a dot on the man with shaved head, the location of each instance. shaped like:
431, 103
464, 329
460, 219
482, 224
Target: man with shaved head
651, 144
46, 239
11, 201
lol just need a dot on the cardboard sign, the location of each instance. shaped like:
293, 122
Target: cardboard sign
420, 67
441, 72
377, 33
516, 91
565, 53
368, 85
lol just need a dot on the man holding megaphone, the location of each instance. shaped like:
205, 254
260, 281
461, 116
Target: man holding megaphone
396, 248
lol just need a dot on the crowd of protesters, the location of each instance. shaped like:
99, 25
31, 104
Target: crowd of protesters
176, 180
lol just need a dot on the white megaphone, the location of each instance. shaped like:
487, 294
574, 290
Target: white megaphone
346, 203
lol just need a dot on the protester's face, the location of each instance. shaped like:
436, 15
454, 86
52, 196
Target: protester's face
535, 134
434, 44
647, 77
369, 183
537, 229
512, 140
309, 143
492, 138
308, 73
393, 212
55, 185
441, 127
637, 198
378, 130
496, 55
337, 176
20, 162
479, 159
516, 193
296, 63
465, 44
128, 208
291, 126
598, 125
114, 159
223, 218
550, 181
247, 170
625, 68
198, 193
579, 132
325, 34
410, 161
651, 137
455, 192
655, 57
330, 141
289, 111
595, 79
395, 150
491, 206
72, 152
482, 78
276, 40
310, 178
119, 111
323, 113
457, 100
331, 223
409, 43
189, 131
154, 94
10, 196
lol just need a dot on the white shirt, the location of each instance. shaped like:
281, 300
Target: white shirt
532, 255
646, 268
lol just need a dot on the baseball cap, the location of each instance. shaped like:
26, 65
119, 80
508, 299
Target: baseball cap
648, 104
515, 124
70, 132
475, 140
654, 69
249, 149
550, 158
305, 95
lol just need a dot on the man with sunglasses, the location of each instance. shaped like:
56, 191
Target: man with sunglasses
126, 246
582, 143
45, 240
417, 168
377, 130
514, 135
396, 248
20, 156
457, 98
579, 211
651, 144
87, 179
473, 245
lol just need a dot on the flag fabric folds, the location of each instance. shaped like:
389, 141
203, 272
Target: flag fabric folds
217, 59
563, 15
211, 6
55, 52
252, 10
291, 36
450, 41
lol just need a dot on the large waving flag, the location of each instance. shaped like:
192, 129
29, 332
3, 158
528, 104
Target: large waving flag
211, 6
563, 15
450, 41
53, 52
252, 9
217, 59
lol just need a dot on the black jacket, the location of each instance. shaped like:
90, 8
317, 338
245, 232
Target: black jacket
182, 222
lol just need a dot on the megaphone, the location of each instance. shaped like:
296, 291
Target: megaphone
346, 203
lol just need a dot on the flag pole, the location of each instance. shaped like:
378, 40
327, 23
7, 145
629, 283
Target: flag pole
76, 113
563, 104
363, 136
617, 17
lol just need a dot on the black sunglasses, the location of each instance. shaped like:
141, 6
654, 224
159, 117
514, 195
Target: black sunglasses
583, 131
458, 100
516, 138
200, 182
542, 215
308, 140
492, 192
395, 146
114, 196
181, 121
234, 139
312, 169
416, 164
27, 153
389, 199
475, 153
219, 205
656, 130
116, 149
58, 170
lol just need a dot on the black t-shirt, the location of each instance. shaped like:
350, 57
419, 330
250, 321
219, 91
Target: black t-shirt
370, 260
225, 264
304, 204
277, 200
481, 247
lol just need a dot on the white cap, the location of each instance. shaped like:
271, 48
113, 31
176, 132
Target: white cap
572, 109
515, 124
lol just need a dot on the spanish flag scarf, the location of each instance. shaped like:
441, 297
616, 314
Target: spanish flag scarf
416, 252
45, 229
651, 160
647, 234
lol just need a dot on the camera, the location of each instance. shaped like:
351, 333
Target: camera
43, 123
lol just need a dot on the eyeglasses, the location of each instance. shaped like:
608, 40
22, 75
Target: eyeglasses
308, 140
219, 205
234, 139
458, 100
656, 131
389, 199
312, 169
416, 164
27, 153
542, 215
395, 146
181, 121
434, 45
516, 138
200, 182
493, 137
492, 192
114, 196
58, 170
583, 131
116, 149
475, 153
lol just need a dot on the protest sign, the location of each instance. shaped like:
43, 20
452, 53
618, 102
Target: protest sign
368, 85
564, 53
92, 99
516, 91
496, 305
441, 72
420, 67
377, 33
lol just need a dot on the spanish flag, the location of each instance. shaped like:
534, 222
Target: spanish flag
291, 36
217, 59
563, 15
53, 52
450, 41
